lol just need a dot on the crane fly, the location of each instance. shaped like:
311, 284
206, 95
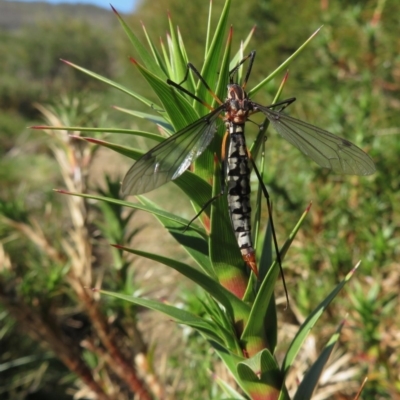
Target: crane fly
168, 160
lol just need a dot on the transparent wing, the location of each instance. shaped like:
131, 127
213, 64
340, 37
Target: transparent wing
171, 158
325, 148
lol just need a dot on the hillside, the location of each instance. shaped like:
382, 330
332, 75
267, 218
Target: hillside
14, 15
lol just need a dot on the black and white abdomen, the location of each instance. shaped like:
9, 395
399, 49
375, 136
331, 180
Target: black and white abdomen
238, 184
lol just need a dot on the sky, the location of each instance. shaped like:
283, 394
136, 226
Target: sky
123, 6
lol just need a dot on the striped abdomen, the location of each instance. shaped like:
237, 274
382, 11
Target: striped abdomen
238, 183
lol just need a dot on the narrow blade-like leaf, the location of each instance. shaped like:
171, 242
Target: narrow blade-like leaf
311, 379
311, 320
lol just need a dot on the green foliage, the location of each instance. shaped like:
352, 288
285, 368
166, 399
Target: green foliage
347, 82
31, 66
44, 289
371, 308
238, 319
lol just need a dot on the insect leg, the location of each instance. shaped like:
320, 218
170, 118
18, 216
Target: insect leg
179, 86
271, 221
283, 103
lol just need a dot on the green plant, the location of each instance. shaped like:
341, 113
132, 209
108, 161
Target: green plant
239, 316
48, 265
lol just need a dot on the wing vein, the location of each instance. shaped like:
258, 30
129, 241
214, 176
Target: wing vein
325, 148
171, 158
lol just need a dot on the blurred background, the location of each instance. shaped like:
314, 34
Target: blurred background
347, 81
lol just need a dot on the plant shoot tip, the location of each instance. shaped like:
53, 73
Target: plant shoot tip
316, 32
132, 60
356, 266
65, 61
285, 78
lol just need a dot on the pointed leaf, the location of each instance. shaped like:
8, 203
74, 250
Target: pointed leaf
167, 61
284, 249
147, 135
254, 333
208, 31
194, 244
210, 66
204, 164
156, 54
229, 391
270, 317
229, 359
147, 59
215, 312
208, 328
176, 106
155, 211
283, 66
178, 60
114, 84
195, 188
239, 55
236, 309
310, 380
262, 383
311, 321
149, 117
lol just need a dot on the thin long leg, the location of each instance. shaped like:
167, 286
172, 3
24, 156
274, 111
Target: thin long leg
283, 103
203, 208
271, 221
193, 96
179, 86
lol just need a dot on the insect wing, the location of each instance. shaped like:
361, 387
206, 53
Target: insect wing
171, 158
325, 148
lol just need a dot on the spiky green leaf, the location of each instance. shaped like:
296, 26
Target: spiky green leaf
311, 379
311, 320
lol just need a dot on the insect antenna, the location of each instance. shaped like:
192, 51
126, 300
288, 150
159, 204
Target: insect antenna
252, 56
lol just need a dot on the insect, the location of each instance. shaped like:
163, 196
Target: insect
168, 160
